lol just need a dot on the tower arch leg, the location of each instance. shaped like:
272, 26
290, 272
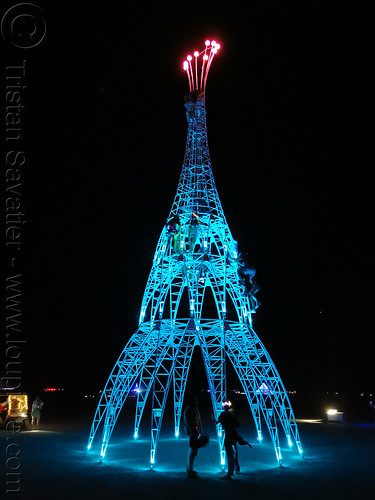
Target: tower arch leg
128, 371
127, 368
170, 341
180, 375
260, 380
146, 382
213, 353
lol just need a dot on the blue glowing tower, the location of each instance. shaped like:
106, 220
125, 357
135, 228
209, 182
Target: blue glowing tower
197, 274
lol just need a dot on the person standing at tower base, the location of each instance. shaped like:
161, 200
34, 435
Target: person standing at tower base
193, 427
36, 411
229, 423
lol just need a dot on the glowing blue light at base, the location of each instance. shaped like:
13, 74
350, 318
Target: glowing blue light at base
278, 455
177, 432
136, 434
289, 440
259, 438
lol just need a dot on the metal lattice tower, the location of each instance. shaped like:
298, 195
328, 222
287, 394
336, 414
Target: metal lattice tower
196, 257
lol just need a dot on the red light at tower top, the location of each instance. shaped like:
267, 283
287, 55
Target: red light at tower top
197, 70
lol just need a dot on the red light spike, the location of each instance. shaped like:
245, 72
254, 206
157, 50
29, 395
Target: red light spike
196, 54
191, 74
204, 59
208, 64
186, 68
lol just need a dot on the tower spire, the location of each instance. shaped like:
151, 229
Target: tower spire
196, 190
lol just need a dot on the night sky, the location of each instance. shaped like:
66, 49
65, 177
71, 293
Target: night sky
290, 129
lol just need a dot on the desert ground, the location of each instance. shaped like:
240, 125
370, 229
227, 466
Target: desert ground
53, 463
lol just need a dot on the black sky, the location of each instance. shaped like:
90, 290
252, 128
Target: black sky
290, 128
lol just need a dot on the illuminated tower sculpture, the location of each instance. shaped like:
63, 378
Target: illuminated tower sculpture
196, 269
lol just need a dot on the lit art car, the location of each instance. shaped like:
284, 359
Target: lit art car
16, 408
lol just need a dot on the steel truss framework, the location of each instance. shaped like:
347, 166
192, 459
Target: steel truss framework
195, 258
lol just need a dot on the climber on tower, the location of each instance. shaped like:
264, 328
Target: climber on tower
174, 233
193, 230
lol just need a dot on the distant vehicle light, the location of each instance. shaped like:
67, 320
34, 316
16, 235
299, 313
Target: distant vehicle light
331, 411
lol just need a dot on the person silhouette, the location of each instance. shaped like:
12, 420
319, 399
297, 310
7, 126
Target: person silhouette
36, 410
193, 427
228, 421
